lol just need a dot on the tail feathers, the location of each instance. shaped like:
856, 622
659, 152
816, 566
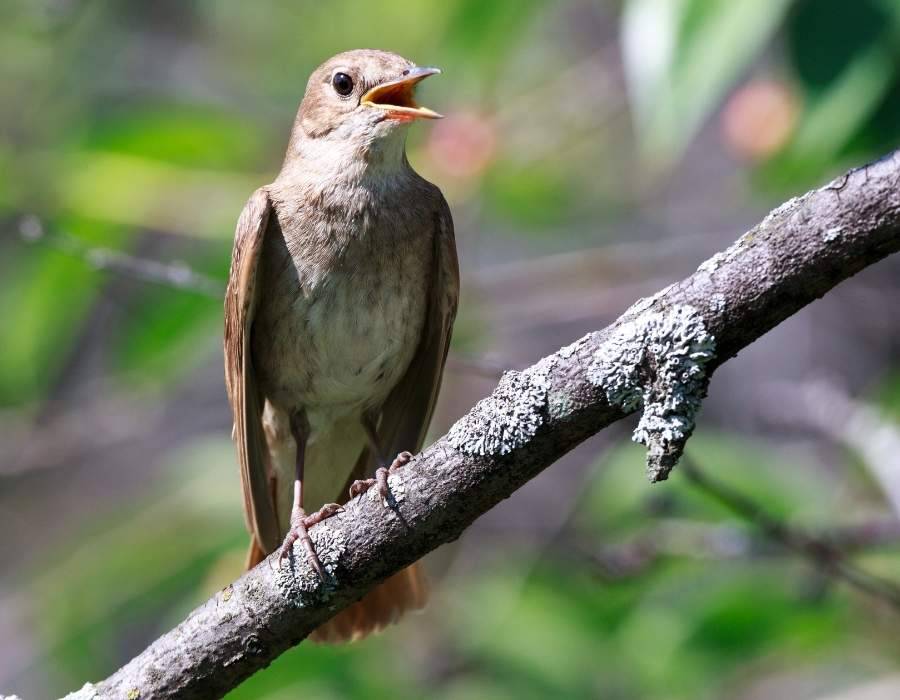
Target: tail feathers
401, 593
254, 555
384, 605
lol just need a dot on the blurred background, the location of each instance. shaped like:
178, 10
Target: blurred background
593, 152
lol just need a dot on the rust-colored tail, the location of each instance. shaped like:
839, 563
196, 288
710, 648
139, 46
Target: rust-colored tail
254, 555
401, 593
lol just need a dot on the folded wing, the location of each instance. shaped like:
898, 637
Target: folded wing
241, 298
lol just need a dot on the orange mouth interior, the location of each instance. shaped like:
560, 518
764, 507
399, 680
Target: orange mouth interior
398, 95
397, 99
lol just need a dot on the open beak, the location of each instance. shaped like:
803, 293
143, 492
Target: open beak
396, 96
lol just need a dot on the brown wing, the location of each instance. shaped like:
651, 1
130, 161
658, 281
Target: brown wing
240, 380
407, 412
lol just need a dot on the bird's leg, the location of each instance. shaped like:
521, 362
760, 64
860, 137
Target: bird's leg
300, 521
383, 470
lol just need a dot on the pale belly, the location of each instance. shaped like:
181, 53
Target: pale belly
336, 344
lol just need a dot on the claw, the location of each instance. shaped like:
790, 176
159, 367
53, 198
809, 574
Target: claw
300, 524
360, 486
401, 460
323, 513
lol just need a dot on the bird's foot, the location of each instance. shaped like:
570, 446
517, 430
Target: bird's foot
381, 478
300, 524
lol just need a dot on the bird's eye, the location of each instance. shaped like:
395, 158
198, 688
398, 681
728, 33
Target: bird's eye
342, 83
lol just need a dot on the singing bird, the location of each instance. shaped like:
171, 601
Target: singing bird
340, 303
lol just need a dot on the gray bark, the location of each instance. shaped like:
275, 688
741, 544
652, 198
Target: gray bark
657, 358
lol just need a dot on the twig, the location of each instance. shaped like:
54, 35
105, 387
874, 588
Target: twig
659, 354
826, 555
679, 538
178, 275
826, 408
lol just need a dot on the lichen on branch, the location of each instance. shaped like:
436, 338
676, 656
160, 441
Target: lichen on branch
505, 420
657, 362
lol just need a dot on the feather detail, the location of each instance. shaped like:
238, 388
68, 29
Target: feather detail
244, 395
384, 605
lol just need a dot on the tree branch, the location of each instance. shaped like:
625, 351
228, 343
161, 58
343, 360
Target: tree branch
658, 356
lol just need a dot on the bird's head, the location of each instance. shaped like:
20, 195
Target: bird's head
363, 96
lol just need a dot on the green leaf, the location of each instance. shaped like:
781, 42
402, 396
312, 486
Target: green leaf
44, 297
846, 64
137, 191
168, 335
180, 134
680, 57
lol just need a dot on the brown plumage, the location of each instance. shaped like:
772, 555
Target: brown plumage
338, 313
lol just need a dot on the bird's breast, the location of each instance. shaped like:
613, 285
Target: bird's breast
341, 311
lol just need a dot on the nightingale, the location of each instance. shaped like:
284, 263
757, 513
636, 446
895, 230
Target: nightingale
338, 313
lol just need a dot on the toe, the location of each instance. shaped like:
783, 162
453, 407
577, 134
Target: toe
360, 486
401, 460
381, 477
323, 513
317, 565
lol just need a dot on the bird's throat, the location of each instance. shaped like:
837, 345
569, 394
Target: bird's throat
356, 159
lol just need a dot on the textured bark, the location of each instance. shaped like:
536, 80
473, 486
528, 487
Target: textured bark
657, 357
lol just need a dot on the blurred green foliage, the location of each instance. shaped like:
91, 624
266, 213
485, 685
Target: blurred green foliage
108, 158
841, 59
685, 627
143, 127
681, 56
845, 59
